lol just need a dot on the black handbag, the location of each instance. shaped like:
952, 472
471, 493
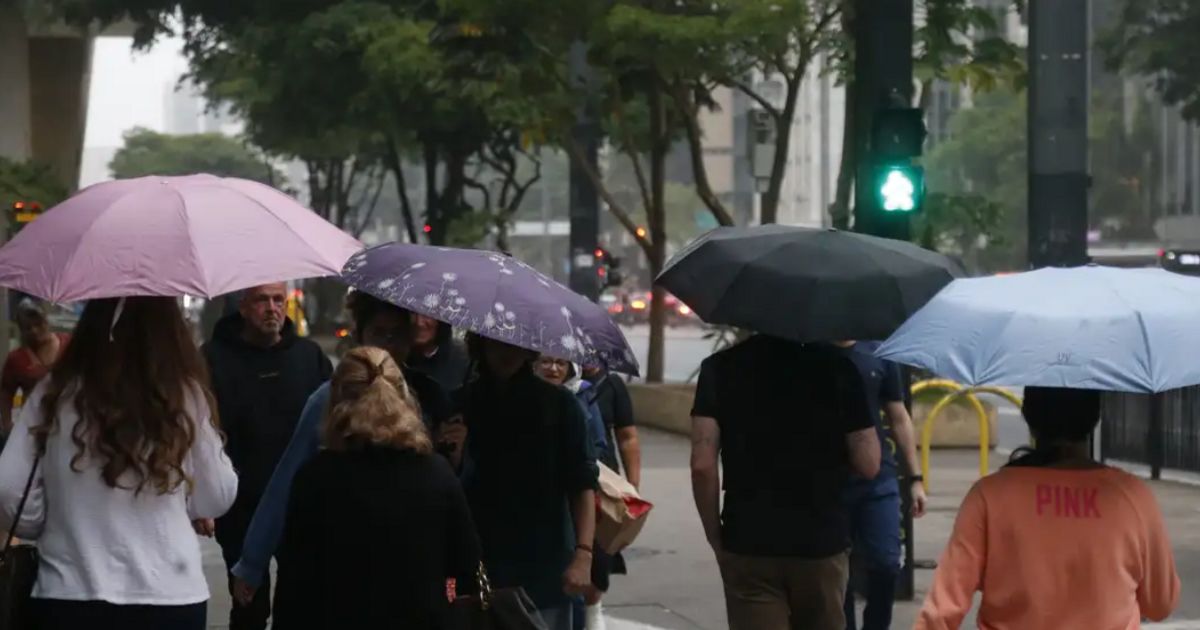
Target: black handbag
18, 571
499, 609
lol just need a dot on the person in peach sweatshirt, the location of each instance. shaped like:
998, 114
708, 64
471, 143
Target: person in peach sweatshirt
1056, 539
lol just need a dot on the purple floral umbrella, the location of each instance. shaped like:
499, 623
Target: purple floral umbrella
494, 295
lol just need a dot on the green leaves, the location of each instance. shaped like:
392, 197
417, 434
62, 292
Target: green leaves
30, 182
150, 153
1157, 38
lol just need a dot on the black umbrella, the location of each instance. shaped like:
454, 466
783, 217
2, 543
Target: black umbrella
806, 284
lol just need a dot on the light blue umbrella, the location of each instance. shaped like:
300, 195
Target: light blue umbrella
1128, 330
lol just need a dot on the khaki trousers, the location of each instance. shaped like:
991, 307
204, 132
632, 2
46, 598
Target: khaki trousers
766, 593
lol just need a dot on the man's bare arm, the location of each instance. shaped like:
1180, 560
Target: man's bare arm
706, 476
631, 454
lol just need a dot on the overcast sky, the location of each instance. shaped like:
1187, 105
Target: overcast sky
128, 87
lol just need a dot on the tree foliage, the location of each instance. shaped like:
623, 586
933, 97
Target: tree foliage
147, 152
1157, 39
31, 182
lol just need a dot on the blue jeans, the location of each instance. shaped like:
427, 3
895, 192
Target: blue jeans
874, 511
558, 618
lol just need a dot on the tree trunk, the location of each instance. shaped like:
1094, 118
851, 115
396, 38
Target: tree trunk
451, 202
406, 214
839, 212
656, 216
430, 156
783, 141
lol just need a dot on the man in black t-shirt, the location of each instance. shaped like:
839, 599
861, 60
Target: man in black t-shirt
789, 423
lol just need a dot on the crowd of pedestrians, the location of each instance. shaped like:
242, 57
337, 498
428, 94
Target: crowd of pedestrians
388, 487
380, 488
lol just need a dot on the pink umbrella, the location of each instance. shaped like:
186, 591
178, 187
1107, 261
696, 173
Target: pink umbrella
196, 235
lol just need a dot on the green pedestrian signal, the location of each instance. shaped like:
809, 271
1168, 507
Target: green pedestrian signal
900, 188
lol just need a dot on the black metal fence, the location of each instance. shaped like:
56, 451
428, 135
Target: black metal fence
1161, 431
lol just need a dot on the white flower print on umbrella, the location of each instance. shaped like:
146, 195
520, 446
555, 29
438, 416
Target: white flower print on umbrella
495, 296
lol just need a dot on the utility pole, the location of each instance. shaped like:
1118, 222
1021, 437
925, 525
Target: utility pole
1058, 122
883, 80
585, 203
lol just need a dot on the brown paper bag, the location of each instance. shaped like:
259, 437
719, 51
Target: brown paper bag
620, 511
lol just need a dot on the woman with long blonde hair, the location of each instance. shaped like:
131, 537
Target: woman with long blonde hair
120, 450
377, 526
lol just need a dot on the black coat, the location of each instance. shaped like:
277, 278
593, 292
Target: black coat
260, 393
449, 365
370, 539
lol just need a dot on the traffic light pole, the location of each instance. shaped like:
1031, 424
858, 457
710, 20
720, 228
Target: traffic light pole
883, 77
585, 203
1058, 122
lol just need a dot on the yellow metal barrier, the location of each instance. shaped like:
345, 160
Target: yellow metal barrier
956, 391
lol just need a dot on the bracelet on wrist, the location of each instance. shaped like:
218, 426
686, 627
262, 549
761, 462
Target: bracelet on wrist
587, 548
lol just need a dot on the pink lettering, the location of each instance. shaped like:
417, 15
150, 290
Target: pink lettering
1091, 508
1071, 502
1058, 511
1043, 497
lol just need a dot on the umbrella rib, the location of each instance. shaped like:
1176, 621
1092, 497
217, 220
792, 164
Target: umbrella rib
733, 281
1142, 330
289, 227
187, 224
71, 259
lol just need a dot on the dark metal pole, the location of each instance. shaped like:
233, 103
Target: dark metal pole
883, 76
1155, 443
1057, 133
585, 203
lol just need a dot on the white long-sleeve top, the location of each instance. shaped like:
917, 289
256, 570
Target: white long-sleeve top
111, 544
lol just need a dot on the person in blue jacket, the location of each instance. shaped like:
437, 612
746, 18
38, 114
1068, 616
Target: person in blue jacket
567, 374
376, 323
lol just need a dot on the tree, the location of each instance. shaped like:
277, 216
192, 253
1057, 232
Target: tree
30, 182
147, 152
1157, 39
977, 178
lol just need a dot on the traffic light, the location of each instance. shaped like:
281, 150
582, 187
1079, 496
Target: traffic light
899, 188
897, 185
26, 211
608, 269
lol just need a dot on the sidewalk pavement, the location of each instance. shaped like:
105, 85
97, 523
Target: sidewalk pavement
673, 582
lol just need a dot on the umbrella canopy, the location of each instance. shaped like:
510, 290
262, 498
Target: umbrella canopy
1129, 330
195, 235
494, 295
806, 284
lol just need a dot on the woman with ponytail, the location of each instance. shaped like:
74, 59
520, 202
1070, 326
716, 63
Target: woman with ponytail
377, 525
1056, 539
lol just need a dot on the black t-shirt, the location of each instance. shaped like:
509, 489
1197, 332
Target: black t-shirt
884, 384
784, 410
612, 398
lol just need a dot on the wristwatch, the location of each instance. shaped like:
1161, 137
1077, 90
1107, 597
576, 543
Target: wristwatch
912, 478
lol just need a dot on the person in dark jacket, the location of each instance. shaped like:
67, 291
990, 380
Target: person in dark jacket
377, 324
377, 522
530, 475
262, 375
437, 354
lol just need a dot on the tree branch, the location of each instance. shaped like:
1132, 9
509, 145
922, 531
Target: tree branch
689, 112
762, 102
638, 172
618, 211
